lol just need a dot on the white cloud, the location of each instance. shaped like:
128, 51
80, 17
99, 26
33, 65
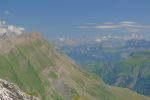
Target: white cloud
14, 29
2, 22
130, 26
3, 28
10, 28
105, 27
128, 22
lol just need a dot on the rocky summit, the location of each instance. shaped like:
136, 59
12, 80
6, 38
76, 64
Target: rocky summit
9, 91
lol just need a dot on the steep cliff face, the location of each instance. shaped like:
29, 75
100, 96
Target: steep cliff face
9, 91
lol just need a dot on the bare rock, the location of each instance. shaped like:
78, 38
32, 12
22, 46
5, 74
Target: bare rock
9, 91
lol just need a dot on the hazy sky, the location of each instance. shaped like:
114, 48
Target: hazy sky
78, 18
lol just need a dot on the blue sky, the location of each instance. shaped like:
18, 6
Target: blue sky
78, 18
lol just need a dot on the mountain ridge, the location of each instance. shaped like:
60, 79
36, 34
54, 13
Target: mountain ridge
41, 70
132, 72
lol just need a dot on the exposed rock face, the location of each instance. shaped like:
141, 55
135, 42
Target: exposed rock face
9, 91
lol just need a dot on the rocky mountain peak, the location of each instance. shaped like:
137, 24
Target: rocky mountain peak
9, 91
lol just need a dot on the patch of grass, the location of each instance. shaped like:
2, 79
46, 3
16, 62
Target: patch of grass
76, 97
57, 96
53, 75
32, 93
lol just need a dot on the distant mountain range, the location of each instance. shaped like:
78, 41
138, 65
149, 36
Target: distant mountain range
138, 44
132, 72
120, 62
88, 51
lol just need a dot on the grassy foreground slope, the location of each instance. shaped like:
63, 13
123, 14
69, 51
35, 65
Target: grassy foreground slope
40, 70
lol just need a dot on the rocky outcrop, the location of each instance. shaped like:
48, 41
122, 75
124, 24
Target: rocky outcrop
9, 91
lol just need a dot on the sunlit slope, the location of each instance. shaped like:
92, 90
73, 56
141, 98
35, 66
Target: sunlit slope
40, 70
132, 72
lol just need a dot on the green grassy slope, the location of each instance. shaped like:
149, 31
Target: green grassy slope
133, 72
40, 70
